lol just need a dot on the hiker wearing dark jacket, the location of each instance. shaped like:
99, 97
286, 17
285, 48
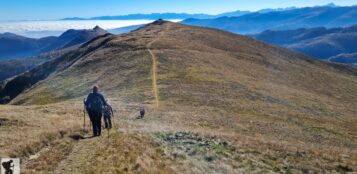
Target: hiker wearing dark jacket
94, 104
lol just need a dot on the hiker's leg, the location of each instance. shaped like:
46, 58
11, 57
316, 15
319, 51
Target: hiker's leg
92, 119
99, 124
110, 122
96, 124
106, 121
94, 127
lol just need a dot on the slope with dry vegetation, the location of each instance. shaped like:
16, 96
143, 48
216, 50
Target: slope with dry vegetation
227, 104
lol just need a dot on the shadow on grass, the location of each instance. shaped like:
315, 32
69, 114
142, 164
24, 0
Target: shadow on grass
80, 137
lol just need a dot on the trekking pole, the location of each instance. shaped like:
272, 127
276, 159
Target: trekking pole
111, 110
84, 115
84, 120
90, 126
108, 132
112, 123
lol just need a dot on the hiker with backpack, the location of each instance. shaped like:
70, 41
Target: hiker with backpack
95, 104
7, 166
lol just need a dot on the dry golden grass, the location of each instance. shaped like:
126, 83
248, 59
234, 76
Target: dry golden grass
129, 153
281, 112
34, 127
132, 146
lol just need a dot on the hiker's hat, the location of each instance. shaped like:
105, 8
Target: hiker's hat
96, 88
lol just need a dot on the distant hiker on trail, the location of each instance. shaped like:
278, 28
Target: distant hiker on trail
7, 166
95, 104
141, 113
108, 112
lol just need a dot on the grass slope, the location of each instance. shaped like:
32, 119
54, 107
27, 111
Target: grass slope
228, 104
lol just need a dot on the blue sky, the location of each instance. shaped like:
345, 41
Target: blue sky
57, 9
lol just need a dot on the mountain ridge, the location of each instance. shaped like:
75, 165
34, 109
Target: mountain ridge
320, 42
155, 16
308, 17
19, 54
249, 105
171, 15
77, 55
11, 43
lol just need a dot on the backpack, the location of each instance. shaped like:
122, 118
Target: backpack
6, 165
108, 111
95, 103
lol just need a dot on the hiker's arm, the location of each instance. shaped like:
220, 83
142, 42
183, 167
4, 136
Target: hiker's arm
87, 100
111, 109
103, 99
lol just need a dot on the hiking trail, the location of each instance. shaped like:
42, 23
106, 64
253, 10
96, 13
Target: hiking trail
154, 80
154, 66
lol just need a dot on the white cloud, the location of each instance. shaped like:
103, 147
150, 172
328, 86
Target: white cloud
46, 28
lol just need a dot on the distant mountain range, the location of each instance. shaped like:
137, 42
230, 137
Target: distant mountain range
308, 17
335, 44
16, 46
154, 16
13, 67
123, 30
19, 54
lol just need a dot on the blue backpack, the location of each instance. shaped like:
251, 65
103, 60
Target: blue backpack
95, 103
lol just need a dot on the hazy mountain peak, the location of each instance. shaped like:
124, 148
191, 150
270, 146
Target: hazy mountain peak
10, 35
159, 22
331, 4
97, 28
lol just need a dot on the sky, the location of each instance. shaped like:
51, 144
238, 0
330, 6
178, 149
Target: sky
58, 9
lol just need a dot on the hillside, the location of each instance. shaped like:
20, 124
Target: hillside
19, 54
335, 44
309, 17
11, 68
345, 58
15, 46
14, 67
216, 102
